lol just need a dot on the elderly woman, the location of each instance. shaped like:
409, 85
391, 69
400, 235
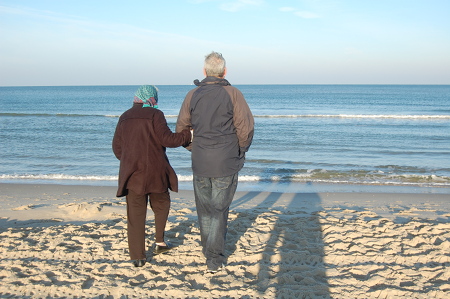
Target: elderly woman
145, 174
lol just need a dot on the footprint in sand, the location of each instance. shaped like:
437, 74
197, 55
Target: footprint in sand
25, 207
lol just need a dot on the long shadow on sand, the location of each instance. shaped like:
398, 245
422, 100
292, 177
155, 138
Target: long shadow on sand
282, 239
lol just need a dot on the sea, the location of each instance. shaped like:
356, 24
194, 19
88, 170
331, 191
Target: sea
308, 138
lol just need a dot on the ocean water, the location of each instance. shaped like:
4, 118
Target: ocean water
307, 137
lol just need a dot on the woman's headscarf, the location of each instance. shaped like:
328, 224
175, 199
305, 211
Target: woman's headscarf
147, 95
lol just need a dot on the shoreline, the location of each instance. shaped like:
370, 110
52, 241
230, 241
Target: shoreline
69, 241
22, 201
275, 186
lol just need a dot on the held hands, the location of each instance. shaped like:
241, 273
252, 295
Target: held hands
241, 153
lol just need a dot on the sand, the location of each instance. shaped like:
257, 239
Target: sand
61, 241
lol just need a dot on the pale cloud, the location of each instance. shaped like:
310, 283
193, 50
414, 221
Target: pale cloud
300, 13
239, 4
42, 14
286, 9
306, 14
199, 1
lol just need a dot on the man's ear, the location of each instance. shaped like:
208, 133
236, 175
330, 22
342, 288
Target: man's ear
224, 72
204, 72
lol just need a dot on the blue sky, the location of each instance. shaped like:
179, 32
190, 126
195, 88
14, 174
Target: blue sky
112, 42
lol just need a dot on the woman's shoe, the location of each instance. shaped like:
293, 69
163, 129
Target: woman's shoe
139, 263
161, 248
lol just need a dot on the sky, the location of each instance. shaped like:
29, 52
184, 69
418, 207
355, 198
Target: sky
97, 42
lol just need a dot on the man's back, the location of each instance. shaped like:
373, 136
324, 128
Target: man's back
214, 108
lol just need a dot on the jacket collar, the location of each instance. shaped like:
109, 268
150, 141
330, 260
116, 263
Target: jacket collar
212, 80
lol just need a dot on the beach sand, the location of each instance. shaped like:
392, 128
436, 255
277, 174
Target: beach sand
62, 241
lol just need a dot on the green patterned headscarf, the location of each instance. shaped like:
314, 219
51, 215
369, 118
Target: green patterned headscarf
147, 95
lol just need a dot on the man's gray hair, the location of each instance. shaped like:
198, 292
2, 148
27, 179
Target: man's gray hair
215, 65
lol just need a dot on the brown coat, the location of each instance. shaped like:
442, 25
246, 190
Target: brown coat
140, 142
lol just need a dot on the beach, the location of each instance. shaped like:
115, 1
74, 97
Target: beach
68, 241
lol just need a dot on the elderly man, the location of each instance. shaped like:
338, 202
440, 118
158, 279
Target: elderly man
223, 132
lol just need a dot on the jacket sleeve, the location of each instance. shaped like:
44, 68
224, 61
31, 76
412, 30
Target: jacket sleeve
117, 142
243, 119
166, 137
184, 117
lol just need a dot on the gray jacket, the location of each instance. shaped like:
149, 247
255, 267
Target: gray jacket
223, 127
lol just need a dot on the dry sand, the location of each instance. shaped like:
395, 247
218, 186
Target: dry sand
70, 242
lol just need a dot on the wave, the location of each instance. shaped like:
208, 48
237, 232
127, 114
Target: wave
57, 177
361, 116
367, 116
337, 178
57, 115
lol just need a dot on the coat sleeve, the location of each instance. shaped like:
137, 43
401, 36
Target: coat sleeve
166, 137
243, 119
117, 142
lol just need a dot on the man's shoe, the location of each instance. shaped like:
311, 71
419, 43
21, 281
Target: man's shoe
139, 263
161, 249
215, 269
